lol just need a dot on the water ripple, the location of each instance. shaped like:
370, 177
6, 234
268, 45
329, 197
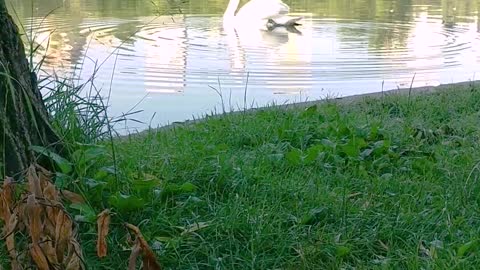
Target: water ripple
185, 54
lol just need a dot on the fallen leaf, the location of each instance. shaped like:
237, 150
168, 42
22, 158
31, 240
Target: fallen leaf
43, 175
72, 196
52, 207
63, 232
75, 256
47, 247
132, 260
38, 257
50, 192
39, 214
15, 265
10, 237
103, 223
20, 212
73, 262
34, 182
6, 199
50, 221
149, 260
34, 212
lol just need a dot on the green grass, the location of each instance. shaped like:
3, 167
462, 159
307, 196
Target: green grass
383, 183
377, 183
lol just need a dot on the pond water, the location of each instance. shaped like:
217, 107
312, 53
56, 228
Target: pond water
173, 59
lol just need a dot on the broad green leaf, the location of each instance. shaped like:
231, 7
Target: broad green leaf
342, 251
353, 146
94, 153
467, 248
86, 212
64, 165
312, 153
175, 189
294, 157
314, 216
188, 187
310, 111
149, 182
62, 180
86, 156
105, 172
374, 132
126, 203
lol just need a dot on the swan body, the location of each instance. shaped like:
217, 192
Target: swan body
259, 12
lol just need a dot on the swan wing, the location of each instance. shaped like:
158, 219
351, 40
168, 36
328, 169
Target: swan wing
263, 9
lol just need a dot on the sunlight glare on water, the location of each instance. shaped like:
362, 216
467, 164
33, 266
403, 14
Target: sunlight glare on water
176, 63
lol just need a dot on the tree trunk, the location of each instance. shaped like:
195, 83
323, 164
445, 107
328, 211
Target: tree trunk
23, 117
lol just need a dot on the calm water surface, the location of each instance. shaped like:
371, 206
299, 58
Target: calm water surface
171, 59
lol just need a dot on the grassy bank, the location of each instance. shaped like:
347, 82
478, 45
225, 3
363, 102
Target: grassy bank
381, 182
388, 182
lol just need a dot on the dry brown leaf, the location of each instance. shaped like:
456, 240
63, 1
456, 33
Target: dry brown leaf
38, 257
6, 199
75, 257
7, 196
49, 251
149, 260
49, 224
10, 236
133, 228
103, 223
73, 263
72, 196
34, 212
21, 214
50, 192
34, 182
8, 189
15, 265
43, 175
52, 209
63, 234
132, 260
40, 214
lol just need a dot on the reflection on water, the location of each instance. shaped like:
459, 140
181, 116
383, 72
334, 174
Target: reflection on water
174, 59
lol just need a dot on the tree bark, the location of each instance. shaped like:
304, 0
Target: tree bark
24, 120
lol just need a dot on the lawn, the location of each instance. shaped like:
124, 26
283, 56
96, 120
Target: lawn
385, 182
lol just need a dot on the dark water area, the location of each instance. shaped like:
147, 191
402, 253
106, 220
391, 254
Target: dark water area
173, 59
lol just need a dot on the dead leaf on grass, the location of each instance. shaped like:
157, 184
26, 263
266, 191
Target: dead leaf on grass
63, 231
33, 213
103, 225
72, 197
38, 257
149, 260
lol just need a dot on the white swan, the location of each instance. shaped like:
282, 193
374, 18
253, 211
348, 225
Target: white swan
258, 12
